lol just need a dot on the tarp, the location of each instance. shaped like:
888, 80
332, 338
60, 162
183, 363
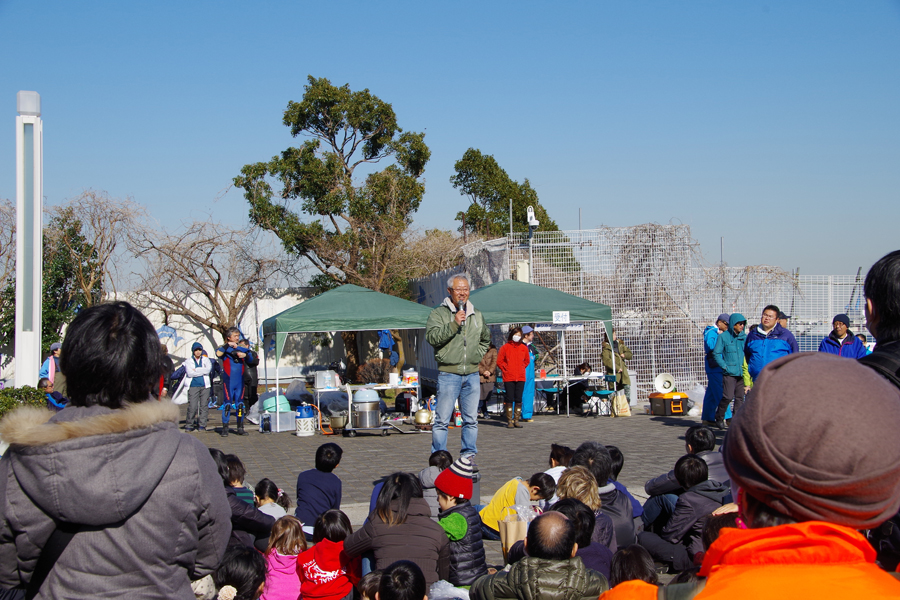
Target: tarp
346, 308
512, 301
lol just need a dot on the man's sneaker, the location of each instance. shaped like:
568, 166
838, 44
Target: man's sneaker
188, 428
201, 429
224, 432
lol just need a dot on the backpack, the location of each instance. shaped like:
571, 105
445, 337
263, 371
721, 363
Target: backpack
886, 364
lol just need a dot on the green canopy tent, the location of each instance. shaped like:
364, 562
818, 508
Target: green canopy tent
345, 308
512, 301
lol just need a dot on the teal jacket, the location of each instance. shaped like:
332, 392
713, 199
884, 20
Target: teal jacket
729, 350
457, 348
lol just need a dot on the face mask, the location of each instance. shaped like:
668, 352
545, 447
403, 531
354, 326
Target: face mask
517, 338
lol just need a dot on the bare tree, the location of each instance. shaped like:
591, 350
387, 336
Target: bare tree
207, 272
104, 224
7, 241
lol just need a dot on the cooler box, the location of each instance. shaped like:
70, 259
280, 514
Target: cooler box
671, 404
268, 405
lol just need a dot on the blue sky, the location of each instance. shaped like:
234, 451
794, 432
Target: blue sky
773, 124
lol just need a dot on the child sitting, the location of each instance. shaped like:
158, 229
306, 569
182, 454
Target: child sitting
461, 522
367, 587
681, 537
55, 400
325, 570
403, 580
285, 544
270, 499
241, 575
514, 492
236, 474
319, 489
630, 564
437, 462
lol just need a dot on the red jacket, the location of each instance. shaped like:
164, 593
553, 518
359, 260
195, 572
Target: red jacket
326, 572
804, 560
512, 359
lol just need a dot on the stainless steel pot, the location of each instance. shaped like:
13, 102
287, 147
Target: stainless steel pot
338, 422
366, 406
363, 419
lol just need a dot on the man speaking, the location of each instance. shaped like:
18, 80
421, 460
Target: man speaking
460, 338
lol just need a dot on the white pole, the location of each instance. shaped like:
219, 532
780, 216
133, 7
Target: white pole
29, 257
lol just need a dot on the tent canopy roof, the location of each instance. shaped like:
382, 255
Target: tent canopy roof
512, 301
348, 308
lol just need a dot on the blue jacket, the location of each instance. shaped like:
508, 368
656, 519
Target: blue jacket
710, 337
761, 349
851, 348
729, 350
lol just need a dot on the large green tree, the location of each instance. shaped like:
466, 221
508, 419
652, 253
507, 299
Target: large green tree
490, 189
350, 226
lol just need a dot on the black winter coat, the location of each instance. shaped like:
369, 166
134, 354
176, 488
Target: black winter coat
248, 525
618, 507
691, 511
467, 560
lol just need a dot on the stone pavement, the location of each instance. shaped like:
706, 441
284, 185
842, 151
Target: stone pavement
651, 446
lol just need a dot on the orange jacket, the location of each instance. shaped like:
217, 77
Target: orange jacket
804, 560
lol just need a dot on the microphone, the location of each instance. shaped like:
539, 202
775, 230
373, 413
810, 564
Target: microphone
462, 308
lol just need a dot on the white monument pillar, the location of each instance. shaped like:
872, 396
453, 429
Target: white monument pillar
29, 255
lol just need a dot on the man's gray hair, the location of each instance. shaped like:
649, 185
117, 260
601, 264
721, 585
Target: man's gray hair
458, 276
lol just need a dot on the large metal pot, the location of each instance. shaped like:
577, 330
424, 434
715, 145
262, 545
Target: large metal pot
364, 419
338, 421
367, 406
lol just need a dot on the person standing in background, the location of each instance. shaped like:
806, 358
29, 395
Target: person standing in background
529, 389
623, 354
487, 373
713, 371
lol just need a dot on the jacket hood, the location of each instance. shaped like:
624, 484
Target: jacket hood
281, 563
91, 465
810, 541
734, 319
710, 489
428, 475
327, 555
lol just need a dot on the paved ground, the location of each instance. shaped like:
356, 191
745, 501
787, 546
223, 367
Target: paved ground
651, 445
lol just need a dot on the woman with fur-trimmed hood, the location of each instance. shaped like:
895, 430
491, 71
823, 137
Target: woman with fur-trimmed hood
144, 502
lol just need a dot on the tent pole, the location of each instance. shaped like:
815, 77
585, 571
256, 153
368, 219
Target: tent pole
565, 373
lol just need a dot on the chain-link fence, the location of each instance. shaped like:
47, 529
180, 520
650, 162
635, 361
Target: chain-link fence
662, 294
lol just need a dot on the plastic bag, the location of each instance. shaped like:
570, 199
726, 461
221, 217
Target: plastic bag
444, 590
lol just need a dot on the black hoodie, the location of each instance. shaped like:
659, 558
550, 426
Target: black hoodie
691, 511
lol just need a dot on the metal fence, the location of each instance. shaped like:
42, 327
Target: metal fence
662, 294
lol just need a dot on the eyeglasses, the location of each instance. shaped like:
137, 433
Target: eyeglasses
460, 289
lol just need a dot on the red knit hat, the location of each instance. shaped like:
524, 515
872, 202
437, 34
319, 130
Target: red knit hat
456, 481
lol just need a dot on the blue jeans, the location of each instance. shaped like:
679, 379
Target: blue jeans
450, 387
656, 507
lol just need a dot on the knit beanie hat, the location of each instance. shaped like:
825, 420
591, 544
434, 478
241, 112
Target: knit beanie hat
723, 317
817, 441
456, 481
841, 318
196, 346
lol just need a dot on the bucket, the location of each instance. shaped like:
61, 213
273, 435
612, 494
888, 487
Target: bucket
306, 421
393, 379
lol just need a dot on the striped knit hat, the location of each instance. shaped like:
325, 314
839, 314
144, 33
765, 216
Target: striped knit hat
456, 481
